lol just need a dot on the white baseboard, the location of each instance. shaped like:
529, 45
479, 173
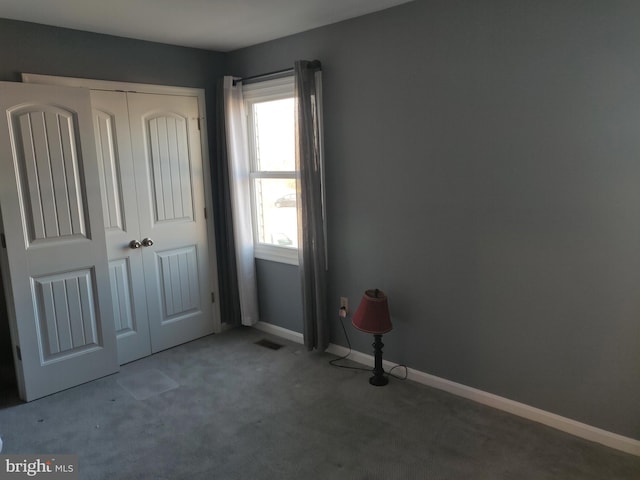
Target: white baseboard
279, 332
573, 427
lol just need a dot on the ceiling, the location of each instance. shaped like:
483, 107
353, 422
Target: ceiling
221, 25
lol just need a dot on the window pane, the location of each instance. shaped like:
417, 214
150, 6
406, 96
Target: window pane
274, 131
276, 217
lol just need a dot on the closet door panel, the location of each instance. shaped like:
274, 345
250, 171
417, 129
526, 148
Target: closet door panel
118, 188
166, 147
170, 168
58, 280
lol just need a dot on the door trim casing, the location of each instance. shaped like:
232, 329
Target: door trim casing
109, 85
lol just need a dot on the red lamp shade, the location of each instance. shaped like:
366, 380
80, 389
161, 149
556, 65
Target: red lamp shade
372, 315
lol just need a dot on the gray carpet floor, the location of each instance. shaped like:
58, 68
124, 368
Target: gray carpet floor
226, 408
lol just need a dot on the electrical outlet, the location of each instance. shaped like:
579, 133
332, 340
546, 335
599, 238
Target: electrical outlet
344, 303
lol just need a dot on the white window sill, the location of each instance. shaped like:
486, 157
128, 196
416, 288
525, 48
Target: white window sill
276, 254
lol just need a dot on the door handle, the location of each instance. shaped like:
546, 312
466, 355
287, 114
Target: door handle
147, 242
134, 244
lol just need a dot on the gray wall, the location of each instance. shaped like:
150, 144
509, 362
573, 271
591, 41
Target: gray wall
34, 48
280, 296
483, 168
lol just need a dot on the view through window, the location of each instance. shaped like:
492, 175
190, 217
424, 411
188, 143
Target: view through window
271, 128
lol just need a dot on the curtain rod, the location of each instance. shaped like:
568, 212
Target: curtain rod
315, 64
269, 74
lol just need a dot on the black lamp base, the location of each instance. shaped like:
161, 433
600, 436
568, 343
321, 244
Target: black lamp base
378, 379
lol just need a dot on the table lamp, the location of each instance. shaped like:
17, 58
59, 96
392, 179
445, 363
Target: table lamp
372, 316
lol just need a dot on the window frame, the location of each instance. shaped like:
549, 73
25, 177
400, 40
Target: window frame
257, 92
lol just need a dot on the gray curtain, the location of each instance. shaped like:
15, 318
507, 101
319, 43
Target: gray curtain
311, 209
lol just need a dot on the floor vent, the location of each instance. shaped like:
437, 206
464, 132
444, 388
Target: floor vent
269, 344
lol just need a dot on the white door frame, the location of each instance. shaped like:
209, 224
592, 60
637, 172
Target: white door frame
204, 144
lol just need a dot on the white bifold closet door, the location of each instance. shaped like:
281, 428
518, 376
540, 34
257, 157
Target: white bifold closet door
54, 265
152, 186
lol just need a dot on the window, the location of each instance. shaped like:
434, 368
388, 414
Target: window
271, 134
